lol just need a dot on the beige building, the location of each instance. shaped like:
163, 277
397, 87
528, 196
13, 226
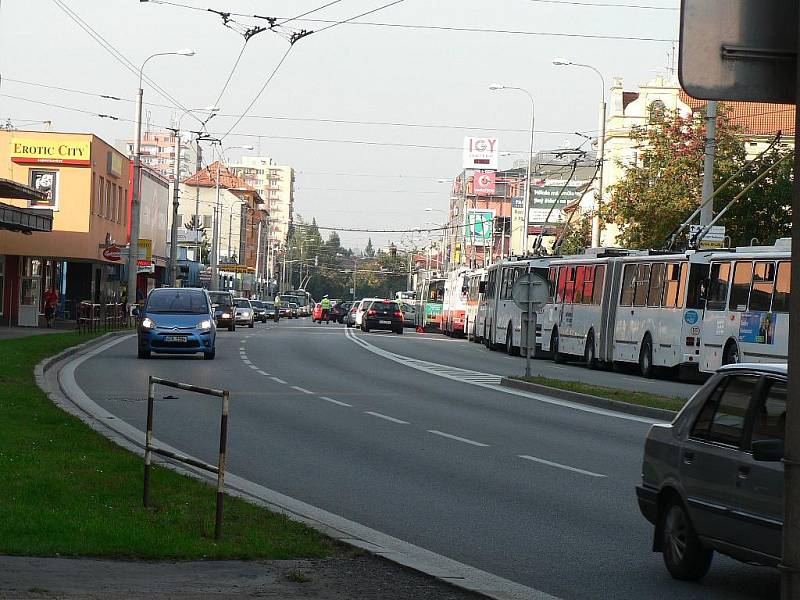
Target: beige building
158, 153
627, 109
275, 183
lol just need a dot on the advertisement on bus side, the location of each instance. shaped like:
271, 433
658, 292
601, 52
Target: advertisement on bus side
757, 327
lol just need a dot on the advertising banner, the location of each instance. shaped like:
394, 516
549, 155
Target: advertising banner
757, 327
480, 153
556, 194
484, 183
51, 150
45, 181
479, 226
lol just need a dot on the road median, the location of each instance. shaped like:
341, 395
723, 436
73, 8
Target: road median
641, 404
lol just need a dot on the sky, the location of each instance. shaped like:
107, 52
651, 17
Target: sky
409, 94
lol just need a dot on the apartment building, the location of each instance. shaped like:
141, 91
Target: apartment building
158, 153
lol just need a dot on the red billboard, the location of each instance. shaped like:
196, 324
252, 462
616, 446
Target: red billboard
484, 183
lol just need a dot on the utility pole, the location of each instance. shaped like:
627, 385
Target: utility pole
198, 166
707, 208
133, 250
215, 237
173, 239
601, 144
258, 258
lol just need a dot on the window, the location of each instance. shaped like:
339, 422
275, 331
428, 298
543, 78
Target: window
674, 285
505, 285
641, 285
763, 284
562, 281
125, 206
569, 285
740, 288
695, 296
588, 285
101, 194
656, 285
2, 281
599, 278
552, 279
770, 418
780, 302
722, 418
718, 286
628, 278
580, 277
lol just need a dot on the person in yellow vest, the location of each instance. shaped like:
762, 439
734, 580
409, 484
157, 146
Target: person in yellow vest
278, 303
326, 308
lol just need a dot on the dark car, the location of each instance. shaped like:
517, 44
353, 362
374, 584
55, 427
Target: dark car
269, 310
713, 478
224, 309
339, 311
383, 314
176, 321
259, 311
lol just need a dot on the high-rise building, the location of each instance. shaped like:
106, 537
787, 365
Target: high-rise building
275, 184
158, 153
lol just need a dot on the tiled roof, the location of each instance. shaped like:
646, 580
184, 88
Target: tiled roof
757, 118
208, 178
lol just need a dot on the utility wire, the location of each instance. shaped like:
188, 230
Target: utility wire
230, 75
364, 14
606, 4
295, 18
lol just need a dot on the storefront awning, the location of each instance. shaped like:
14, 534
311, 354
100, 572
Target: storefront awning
25, 220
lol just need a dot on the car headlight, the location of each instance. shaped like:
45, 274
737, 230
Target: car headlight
204, 325
148, 323
226, 315
246, 313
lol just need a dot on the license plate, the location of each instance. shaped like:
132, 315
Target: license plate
175, 338
385, 322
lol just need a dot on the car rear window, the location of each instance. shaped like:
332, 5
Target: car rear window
385, 305
242, 303
177, 301
256, 303
220, 298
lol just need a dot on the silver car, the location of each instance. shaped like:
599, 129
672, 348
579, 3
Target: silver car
245, 315
713, 478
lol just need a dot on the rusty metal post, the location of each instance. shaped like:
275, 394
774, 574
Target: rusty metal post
148, 454
223, 443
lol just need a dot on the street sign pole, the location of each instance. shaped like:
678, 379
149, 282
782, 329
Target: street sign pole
529, 293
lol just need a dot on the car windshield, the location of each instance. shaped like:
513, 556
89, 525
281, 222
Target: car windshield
177, 301
220, 298
256, 304
242, 303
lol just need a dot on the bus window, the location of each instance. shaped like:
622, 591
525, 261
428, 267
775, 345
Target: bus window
562, 275
693, 291
672, 277
599, 277
763, 283
580, 277
656, 285
628, 278
718, 286
780, 302
740, 287
588, 285
569, 285
642, 283
552, 279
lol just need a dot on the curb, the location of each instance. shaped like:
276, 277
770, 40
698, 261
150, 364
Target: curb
580, 398
73, 400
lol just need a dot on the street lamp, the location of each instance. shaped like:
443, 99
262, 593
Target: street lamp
215, 234
173, 249
527, 202
601, 142
133, 249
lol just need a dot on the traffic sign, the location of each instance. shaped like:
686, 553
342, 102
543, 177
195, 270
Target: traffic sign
714, 238
530, 288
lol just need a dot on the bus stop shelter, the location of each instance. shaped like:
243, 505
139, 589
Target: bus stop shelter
23, 220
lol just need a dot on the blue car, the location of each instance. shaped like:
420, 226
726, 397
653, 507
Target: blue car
177, 321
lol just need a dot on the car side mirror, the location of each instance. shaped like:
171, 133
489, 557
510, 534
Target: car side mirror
482, 287
768, 450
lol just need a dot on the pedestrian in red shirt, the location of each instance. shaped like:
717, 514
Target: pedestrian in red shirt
50, 304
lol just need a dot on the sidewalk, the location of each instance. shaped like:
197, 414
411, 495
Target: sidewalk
362, 577
8, 333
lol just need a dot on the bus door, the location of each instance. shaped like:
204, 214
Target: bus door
629, 325
611, 287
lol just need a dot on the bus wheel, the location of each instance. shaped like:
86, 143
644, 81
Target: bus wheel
558, 358
589, 357
510, 350
646, 357
731, 354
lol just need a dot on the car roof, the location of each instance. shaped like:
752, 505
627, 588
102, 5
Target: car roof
771, 368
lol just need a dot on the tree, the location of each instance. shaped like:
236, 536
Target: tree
194, 225
369, 250
578, 236
663, 187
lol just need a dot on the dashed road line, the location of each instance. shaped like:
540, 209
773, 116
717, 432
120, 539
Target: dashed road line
386, 417
457, 438
340, 403
260, 372
277, 380
247, 361
560, 466
252, 366
300, 389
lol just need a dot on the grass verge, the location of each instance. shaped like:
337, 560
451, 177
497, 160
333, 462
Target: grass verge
66, 490
641, 398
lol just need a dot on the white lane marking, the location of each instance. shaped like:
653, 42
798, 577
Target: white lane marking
262, 372
458, 439
252, 366
387, 417
559, 465
304, 390
424, 366
247, 361
277, 380
334, 401
241, 348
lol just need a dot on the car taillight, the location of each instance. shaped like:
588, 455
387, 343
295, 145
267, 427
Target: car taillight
398, 313
372, 312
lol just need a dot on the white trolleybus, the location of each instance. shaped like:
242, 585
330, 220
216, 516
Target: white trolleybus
746, 315
626, 306
474, 296
499, 321
454, 305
